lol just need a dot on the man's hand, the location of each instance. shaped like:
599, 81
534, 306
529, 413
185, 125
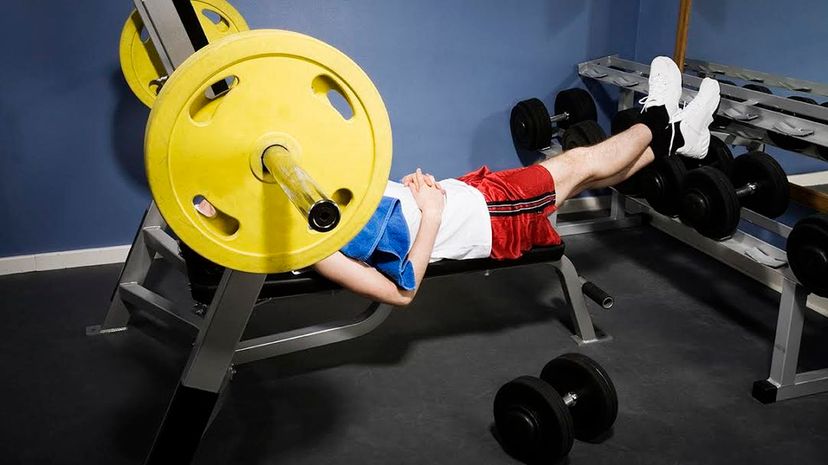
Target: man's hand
428, 193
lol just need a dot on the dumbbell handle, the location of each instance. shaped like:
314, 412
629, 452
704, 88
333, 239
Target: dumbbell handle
746, 190
559, 117
570, 399
303, 192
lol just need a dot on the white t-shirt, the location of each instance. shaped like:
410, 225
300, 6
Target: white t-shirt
465, 230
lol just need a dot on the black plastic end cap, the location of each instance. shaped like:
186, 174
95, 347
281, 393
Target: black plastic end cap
764, 391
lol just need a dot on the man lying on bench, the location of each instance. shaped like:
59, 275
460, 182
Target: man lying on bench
504, 214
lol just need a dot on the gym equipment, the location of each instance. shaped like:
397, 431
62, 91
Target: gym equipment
718, 156
140, 63
807, 249
588, 392
537, 419
583, 134
531, 124
624, 120
660, 183
272, 153
787, 142
711, 204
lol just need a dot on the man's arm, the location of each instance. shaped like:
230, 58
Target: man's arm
367, 281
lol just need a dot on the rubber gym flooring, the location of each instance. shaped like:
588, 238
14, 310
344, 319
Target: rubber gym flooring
689, 338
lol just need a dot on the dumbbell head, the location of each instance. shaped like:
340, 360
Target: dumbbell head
709, 203
583, 134
533, 423
771, 195
660, 183
624, 120
530, 125
588, 392
718, 156
577, 104
807, 249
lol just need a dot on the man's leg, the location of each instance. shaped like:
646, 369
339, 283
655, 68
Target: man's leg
613, 160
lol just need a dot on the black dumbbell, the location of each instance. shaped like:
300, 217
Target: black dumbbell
711, 204
583, 134
807, 249
787, 142
718, 156
531, 124
537, 419
660, 183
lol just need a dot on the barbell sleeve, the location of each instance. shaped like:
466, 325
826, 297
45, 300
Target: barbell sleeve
303, 192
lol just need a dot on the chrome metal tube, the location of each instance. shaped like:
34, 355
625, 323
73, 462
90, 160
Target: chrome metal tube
303, 192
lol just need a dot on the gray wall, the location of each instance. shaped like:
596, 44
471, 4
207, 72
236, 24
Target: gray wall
71, 171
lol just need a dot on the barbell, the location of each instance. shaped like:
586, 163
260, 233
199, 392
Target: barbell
140, 64
292, 178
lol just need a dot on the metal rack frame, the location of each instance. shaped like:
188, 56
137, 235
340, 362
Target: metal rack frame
748, 124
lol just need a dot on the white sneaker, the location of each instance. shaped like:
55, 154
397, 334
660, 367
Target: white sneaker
665, 86
694, 120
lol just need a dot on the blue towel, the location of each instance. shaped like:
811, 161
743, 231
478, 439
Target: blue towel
384, 242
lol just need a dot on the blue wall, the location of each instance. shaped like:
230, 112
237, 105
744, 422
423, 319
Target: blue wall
786, 38
449, 71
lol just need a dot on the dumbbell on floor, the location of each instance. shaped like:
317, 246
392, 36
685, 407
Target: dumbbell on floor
807, 250
537, 419
711, 204
531, 124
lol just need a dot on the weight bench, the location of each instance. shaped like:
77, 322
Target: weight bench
227, 298
205, 279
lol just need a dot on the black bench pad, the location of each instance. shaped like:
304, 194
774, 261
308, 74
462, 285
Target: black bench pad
205, 275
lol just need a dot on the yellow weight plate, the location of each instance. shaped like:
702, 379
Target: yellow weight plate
139, 61
281, 92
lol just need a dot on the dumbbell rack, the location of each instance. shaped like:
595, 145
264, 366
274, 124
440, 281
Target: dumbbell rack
747, 125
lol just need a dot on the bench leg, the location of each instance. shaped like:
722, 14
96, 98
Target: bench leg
571, 284
196, 398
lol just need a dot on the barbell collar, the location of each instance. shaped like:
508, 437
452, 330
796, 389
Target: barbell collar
303, 192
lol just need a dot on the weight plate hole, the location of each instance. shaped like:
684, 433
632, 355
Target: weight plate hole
205, 105
326, 86
219, 222
342, 197
144, 35
221, 23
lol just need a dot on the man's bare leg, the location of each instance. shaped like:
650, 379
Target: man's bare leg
613, 160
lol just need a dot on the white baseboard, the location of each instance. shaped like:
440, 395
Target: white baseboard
61, 260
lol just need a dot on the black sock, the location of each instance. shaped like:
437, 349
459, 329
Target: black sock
658, 121
678, 139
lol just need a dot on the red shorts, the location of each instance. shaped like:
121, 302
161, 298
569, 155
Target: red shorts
520, 201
